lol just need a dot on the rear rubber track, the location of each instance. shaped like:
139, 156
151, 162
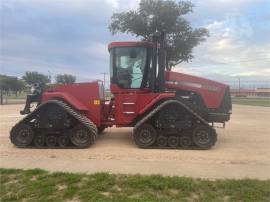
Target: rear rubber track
200, 121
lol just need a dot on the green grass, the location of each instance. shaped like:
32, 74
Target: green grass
40, 185
263, 102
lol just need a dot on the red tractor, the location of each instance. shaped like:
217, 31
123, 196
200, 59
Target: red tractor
166, 109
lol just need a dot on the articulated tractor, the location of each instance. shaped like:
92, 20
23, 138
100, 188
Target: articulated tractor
166, 109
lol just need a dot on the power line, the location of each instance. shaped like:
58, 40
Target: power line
250, 60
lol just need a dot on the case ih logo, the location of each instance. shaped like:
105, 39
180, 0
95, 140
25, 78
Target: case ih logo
193, 85
210, 88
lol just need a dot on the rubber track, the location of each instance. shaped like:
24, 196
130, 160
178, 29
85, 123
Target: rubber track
77, 115
158, 108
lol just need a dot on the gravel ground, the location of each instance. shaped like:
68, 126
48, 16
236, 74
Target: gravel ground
242, 151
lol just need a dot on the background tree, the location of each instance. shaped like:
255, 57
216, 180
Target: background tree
162, 16
10, 83
3, 87
65, 79
17, 85
32, 78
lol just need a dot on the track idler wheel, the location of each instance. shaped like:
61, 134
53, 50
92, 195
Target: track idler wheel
162, 141
145, 135
63, 140
185, 141
22, 135
39, 140
173, 141
81, 136
204, 137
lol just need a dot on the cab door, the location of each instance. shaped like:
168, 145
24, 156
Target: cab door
129, 66
125, 108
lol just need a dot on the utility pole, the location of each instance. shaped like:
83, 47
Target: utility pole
1, 99
239, 85
50, 74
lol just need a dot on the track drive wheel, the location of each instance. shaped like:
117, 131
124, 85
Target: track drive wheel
22, 135
81, 136
204, 137
145, 135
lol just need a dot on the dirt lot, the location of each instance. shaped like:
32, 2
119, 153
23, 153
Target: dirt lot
242, 151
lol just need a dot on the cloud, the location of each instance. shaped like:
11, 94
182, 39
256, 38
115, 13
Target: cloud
41, 31
97, 49
238, 46
72, 36
114, 3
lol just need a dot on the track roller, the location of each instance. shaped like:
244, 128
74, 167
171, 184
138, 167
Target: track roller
185, 141
51, 141
162, 141
39, 140
145, 135
173, 141
63, 141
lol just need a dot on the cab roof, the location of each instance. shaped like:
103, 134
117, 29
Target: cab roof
130, 44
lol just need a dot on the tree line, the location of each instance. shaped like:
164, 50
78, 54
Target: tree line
12, 84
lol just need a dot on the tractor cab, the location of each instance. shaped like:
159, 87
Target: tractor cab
137, 66
130, 64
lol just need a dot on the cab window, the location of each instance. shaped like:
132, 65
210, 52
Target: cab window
129, 66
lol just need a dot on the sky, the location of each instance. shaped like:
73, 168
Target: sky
71, 36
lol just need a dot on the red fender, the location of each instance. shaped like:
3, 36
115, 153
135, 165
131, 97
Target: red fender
65, 97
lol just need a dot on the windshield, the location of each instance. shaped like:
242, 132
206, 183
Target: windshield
129, 65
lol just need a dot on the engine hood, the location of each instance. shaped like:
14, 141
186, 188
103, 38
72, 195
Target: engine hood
212, 92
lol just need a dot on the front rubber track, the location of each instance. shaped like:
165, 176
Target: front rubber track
29, 123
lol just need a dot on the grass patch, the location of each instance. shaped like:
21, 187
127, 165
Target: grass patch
40, 185
263, 102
